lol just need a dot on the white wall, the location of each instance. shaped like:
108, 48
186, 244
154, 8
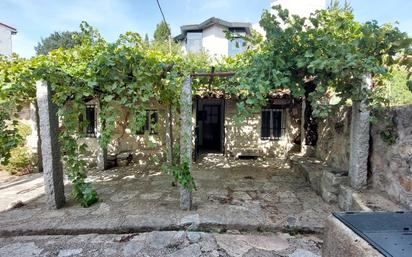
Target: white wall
302, 8
215, 42
5, 41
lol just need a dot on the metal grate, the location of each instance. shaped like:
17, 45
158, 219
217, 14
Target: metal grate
91, 120
388, 232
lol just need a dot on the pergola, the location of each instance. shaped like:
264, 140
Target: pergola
53, 170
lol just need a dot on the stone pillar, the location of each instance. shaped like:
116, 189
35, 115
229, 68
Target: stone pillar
50, 149
39, 154
302, 129
169, 136
101, 158
359, 140
186, 137
101, 152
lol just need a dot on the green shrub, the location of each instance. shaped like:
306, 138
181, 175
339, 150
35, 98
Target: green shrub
21, 160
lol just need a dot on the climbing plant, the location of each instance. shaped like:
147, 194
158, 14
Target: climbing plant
330, 49
124, 75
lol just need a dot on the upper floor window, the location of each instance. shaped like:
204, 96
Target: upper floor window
236, 46
194, 42
273, 124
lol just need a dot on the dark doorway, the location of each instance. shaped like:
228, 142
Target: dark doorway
209, 120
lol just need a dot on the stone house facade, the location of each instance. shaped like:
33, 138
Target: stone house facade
269, 133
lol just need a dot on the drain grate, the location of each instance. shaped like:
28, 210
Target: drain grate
388, 232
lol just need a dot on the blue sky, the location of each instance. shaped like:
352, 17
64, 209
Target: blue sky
36, 19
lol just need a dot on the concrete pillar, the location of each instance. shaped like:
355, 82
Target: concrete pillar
101, 152
359, 140
186, 137
52, 165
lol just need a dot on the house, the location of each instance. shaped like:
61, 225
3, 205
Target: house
210, 36
6, 33
270, 132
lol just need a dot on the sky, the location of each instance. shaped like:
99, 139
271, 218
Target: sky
36, 19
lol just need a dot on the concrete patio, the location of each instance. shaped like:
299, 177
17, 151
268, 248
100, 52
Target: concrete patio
243, 195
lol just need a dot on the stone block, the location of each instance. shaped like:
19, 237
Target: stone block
341, 241
345, 198
329, 184
406, 183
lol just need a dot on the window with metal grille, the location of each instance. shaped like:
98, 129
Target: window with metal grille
151, 124
272, 124
90, 124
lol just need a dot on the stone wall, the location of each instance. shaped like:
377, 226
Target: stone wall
390, 165
245, 138
333, 139
240, 139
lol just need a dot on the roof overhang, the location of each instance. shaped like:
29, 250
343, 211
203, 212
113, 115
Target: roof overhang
12, 30
210, 22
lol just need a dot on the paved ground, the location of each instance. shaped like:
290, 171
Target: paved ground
171, 244
19, 188
236, 203
242, 195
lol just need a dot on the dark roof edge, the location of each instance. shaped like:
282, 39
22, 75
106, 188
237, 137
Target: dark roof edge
13, 30
209, 22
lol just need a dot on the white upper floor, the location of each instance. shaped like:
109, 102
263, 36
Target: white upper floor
210, 36
6, 33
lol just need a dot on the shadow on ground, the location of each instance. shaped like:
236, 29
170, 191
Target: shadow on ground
241, 195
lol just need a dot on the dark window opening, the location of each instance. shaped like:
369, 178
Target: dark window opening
88, 121
272, 124
151, 124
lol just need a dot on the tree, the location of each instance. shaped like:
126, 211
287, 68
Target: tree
66, 40
146, 39
337, 5
329, 49
162, 32
397, 89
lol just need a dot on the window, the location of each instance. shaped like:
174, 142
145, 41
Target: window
272, 124
194, 42
151, 124
236, 46
91, 122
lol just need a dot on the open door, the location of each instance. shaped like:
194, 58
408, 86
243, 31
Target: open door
209, 129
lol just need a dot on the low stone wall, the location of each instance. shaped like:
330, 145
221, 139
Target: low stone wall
341, 241
390, 165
